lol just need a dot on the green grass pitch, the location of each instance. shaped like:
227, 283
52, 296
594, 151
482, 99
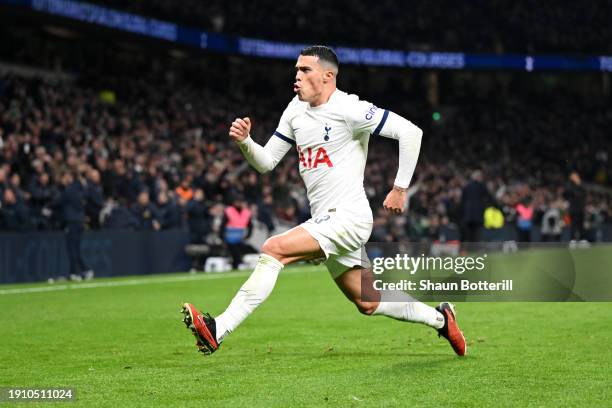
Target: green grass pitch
125, 345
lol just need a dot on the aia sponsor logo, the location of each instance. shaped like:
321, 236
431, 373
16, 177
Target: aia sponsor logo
311, 159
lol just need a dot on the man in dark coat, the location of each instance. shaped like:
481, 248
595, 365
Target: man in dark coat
13, 212
95, 198
146, 213
72, 207
42, 194
169, 213
575, 194
198, 218
474, 199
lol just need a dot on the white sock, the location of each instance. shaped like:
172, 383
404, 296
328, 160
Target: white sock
412, 311
252, 293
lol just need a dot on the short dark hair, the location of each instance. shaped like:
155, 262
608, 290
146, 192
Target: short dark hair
323, 52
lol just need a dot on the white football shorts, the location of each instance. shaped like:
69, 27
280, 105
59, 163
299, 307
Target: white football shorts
342, 234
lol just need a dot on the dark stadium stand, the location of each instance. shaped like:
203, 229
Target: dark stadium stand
477, 26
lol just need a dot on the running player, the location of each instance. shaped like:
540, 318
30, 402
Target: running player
330, 130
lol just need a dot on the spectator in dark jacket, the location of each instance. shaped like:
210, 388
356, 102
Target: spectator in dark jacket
71, 204
3, 184
42, 195
146, 213
474, 198
198, 218
95, 198
199, 223
124, 183
265, 212
13, 212
168, 211
576, 197
116, 215
15, 185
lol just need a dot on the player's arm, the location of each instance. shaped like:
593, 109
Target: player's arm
365, 118
409, 138
262, 158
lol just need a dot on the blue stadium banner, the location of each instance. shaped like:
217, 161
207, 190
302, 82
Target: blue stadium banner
168, 31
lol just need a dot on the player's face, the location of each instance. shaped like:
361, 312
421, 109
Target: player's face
309, 78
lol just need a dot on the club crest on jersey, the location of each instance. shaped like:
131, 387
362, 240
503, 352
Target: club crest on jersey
327, 129
312, 160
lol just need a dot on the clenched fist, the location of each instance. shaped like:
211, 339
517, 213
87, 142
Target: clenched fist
240, 129
395, 202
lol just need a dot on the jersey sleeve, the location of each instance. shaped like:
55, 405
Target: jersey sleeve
265, 158
364, 117
284, 130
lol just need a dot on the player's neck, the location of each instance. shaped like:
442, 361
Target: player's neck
323, 98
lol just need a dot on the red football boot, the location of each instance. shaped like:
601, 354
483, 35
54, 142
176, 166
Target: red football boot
451, 331
203, 328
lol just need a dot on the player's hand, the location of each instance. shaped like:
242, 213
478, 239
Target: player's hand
395, 202
240, 129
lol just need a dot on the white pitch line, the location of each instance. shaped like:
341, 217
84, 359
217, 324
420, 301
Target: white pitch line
130, 282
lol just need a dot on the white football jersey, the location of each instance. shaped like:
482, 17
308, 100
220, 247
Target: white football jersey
332, 147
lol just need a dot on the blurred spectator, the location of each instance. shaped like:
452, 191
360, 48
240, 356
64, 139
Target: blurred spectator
15, 185
594, 220
145, 213
71, 205
116, 215
474, 199
13, 212
169, 213
252, 187
524, 219
237, 227
41, 201
198, 218
265, 212
199, 224
552, 222
3, 182
576, 197
184, 190
95, 198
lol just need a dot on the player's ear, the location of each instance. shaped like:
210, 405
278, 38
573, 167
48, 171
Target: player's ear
328, 75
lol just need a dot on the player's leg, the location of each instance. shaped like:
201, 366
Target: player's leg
294, 245
407, 309
278, 251
403, 307
297, 244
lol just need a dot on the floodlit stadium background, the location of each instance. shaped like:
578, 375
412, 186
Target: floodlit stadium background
135, 99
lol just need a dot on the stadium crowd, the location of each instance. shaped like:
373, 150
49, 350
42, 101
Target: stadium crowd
160, 159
